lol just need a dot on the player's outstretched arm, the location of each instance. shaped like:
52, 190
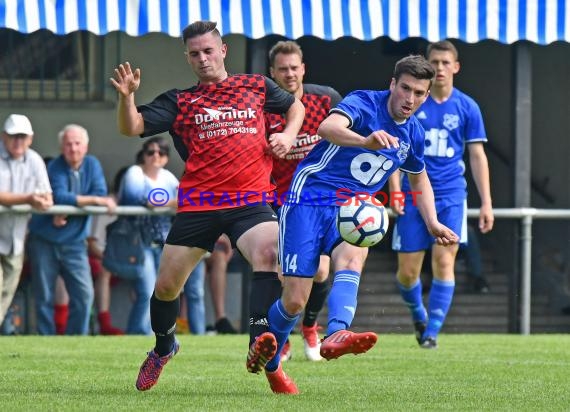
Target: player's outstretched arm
126, 82
335, 129
426, 205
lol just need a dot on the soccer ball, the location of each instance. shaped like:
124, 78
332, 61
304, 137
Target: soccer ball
362, 223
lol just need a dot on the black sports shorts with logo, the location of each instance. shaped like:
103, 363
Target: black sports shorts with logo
202, 229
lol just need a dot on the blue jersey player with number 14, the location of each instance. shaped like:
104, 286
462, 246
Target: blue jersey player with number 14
367, 136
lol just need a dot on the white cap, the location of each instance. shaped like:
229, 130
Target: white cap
18, 124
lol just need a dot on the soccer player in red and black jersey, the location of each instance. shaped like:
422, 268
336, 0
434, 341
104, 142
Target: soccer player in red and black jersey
288, 70
218, 127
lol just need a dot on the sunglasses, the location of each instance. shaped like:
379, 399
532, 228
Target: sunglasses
153, 152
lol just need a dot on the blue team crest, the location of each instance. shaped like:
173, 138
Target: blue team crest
451, 121
403, 151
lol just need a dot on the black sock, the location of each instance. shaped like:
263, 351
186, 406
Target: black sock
317, 299
265, 290
163, 321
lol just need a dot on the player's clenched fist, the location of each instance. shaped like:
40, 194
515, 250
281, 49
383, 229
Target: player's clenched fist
280, 144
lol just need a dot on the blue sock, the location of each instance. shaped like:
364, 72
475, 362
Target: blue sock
280, 324
440, 297
413, 298
342, 300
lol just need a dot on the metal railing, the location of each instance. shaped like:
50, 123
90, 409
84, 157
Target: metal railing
525, 215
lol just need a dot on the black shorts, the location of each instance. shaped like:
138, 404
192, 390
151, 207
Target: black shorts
202, 229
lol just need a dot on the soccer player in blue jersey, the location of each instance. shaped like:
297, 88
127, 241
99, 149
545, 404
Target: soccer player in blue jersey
288, 70
367, 137
452, 120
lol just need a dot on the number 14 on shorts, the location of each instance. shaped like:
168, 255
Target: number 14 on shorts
290, 263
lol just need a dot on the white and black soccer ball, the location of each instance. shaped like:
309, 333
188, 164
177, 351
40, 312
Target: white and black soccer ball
362, 223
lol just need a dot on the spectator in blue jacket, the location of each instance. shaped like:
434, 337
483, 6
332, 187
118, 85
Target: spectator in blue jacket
57, 244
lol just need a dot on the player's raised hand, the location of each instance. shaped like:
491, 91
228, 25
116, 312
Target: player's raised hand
380, 139
125, 80
280, 144
444, 236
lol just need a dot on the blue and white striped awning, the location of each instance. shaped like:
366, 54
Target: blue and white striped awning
507, 21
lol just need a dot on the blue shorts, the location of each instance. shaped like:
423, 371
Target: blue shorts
306, 232
410, 231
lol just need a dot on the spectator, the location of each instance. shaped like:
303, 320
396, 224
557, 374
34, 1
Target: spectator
192, 304
195, 305
60, 306
213, 267
101, 276
56, 244
141, 180
23, 180
216, 273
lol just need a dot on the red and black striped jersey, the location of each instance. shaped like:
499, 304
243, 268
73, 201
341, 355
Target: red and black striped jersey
219, 131
318, 100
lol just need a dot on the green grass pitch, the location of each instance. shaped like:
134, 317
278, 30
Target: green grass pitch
467, 372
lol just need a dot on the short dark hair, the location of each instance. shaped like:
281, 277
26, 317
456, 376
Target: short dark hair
416, 66
285, 47
118, 179
162, 146
444, 45
199, 28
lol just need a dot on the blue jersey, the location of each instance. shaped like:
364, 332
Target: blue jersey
330, 170
448, 127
